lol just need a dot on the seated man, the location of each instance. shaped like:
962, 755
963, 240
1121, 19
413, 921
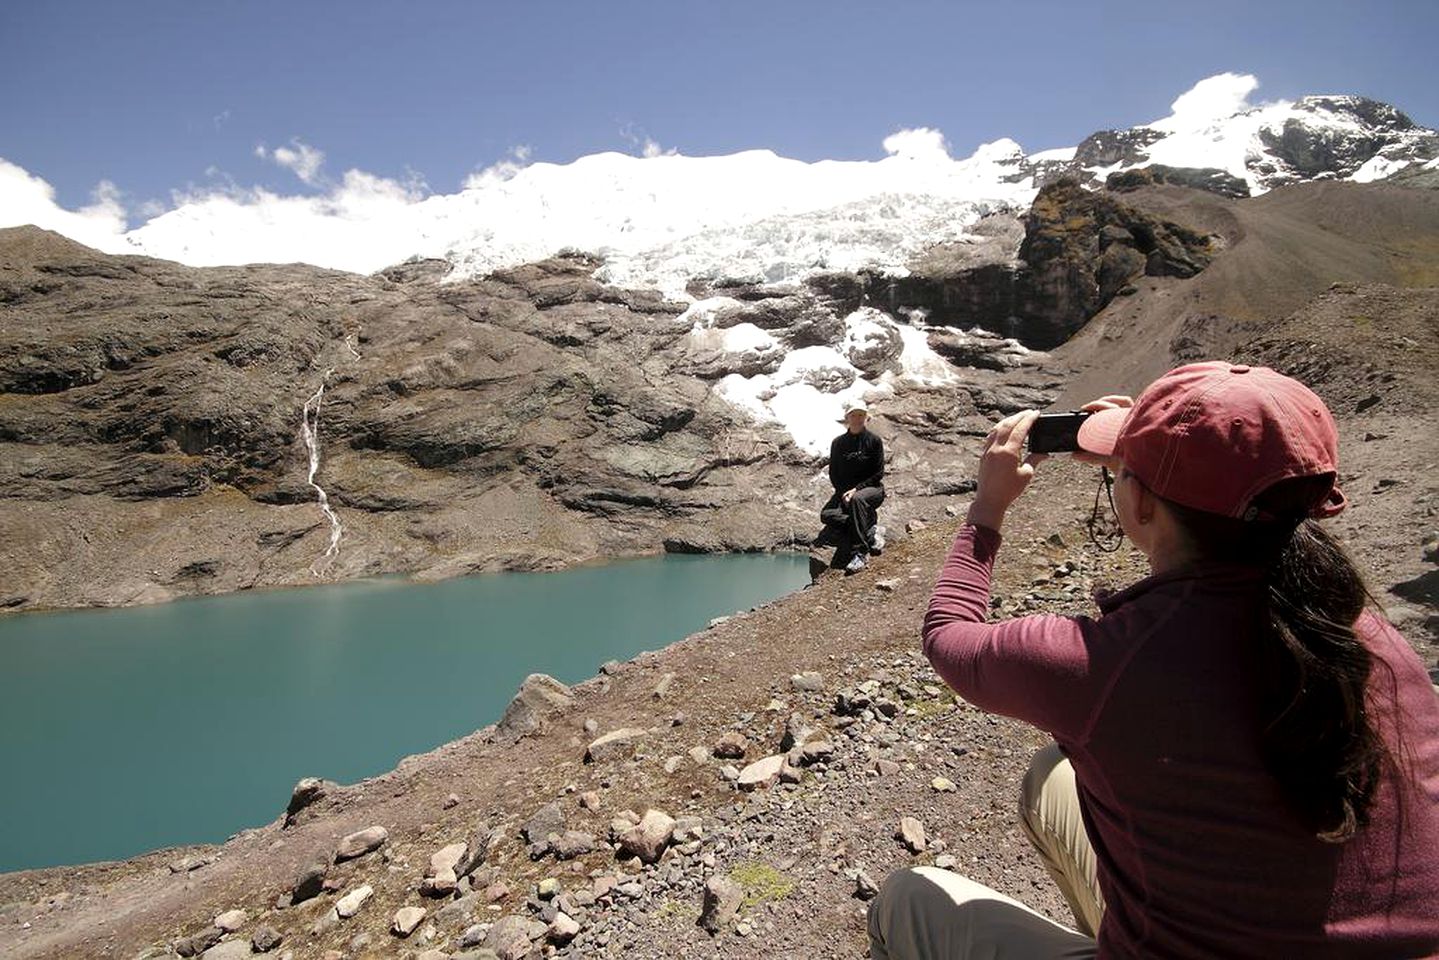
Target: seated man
856, 470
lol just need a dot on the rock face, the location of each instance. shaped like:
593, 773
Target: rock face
1079, 249
1303, 150
530, 419
1200, 178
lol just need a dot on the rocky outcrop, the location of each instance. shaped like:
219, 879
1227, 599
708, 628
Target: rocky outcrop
1082, 247
529, 419
1079, 249
1198, 178
1305, 151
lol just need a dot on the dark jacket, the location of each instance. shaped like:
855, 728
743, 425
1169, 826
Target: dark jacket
856, 460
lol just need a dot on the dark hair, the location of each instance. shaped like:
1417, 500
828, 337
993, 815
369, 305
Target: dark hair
1319, 742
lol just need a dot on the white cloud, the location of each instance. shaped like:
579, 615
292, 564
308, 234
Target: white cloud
300, 158
220, 119
514, 160
28, 199
917, 143
643, 143
1213, 98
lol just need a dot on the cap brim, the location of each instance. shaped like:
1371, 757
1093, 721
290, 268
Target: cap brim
1100, 431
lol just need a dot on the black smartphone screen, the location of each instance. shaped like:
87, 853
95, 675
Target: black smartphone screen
1056, 432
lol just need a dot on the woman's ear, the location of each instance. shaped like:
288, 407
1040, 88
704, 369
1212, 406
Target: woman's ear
1145, 503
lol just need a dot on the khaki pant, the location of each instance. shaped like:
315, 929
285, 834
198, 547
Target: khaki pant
930, 914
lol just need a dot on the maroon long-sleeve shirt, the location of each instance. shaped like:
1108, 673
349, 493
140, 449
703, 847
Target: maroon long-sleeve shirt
1158, 704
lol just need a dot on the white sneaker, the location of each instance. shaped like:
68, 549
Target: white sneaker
855, 565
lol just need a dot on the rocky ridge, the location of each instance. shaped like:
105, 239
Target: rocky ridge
529, 419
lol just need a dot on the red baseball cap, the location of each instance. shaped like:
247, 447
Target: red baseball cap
1213, 436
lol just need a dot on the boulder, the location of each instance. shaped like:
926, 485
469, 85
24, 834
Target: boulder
647, 839
539, 698
547, 820
350, 904
731, 745
720, 907
360, 843
309, 883
266, 938
229, 950
231, 920
406, 920
562, 929
306, 793
615, 745
761, 773
447, 858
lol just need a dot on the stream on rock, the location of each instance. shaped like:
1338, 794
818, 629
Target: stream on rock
126, 730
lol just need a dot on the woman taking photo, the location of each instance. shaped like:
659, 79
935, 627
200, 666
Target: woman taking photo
1246, 756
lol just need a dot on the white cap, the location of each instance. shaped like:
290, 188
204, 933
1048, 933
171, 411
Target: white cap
856, 404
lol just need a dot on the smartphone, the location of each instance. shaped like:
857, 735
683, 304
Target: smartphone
1056, 432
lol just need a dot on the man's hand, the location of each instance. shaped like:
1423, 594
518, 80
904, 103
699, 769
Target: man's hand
1004, 470
847, 496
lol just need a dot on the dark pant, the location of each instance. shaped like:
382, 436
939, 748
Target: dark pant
850, 526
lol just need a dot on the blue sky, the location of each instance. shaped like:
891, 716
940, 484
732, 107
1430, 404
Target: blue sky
163, 95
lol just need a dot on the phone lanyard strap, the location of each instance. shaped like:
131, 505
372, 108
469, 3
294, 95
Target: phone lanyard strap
1104, 532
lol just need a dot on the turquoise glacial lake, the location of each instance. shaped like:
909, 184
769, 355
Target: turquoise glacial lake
123, 731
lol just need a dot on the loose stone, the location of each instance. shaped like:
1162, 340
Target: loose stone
647, 840
864, 886
406, 920
807, 682
350, 903
266, 938
231, 920
943, 785
761, 773
731, 745
360, 843
911, 834
617, 744
722, 899
563, 929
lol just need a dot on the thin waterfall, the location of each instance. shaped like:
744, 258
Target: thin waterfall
310, 434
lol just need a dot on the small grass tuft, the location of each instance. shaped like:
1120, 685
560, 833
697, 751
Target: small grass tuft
761, 883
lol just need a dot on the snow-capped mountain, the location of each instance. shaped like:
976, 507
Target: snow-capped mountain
662, 220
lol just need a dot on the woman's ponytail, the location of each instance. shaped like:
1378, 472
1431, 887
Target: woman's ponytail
1319, 742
